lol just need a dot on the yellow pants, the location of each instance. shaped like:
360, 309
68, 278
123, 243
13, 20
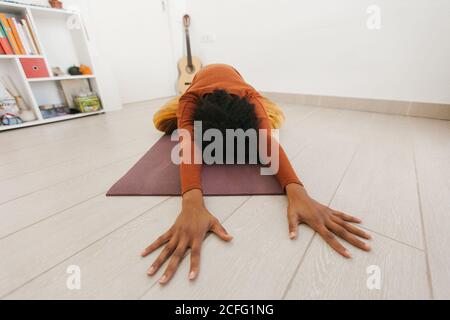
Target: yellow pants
165, 119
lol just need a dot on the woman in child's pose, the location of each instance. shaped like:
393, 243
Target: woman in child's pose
221, 99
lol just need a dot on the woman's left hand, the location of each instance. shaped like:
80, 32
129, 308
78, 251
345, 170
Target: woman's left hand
326, 222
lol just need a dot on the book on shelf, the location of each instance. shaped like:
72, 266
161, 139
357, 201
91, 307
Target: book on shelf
4, 43
17, 37
13, 25
9, 34
25, 41
31, 34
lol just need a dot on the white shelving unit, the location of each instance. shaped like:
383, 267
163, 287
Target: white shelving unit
63, 40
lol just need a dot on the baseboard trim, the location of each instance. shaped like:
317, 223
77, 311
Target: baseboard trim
405, 108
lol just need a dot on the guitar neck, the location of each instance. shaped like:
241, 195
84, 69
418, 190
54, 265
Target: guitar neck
189, 52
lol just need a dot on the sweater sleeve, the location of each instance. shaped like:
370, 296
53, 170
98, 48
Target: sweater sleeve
286, 174
190, 172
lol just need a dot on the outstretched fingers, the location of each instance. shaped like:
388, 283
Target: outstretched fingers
175, 261
344, 234
330, 238
162, 258
157, 244
351, 228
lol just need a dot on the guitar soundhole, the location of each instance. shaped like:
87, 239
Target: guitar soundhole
190, 70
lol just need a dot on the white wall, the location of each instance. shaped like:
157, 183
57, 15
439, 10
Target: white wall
299, 46
134, 38
324, 46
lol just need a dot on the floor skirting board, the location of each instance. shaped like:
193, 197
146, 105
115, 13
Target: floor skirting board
406, 108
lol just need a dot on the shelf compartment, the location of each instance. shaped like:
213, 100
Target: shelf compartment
13, 70
47, 93
63, 43
51, 92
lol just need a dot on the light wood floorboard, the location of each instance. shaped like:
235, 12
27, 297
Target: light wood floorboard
432, 149
383, 179
325, 275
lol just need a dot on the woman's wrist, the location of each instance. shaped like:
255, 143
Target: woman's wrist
296, 191
193, 198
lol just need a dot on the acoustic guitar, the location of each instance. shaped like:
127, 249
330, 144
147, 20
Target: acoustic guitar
187, 66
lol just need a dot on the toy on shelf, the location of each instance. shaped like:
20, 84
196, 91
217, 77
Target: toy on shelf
56, 4
58, 72
85, 70
74, 71
82, 70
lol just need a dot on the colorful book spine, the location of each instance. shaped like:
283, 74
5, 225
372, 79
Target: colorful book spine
25, 41
4, 43
29, 36
9, 33
13, 24
33, 34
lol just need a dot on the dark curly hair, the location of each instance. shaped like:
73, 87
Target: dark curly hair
221, 110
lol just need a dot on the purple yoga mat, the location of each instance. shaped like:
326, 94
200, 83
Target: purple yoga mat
156, 175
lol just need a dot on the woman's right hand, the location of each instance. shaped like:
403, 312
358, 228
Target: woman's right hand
188, 232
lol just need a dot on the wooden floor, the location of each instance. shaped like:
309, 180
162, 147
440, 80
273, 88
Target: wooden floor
392, 171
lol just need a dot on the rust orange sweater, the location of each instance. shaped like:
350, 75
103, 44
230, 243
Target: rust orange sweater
220, 76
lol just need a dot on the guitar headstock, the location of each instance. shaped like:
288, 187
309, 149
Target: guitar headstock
187, 21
